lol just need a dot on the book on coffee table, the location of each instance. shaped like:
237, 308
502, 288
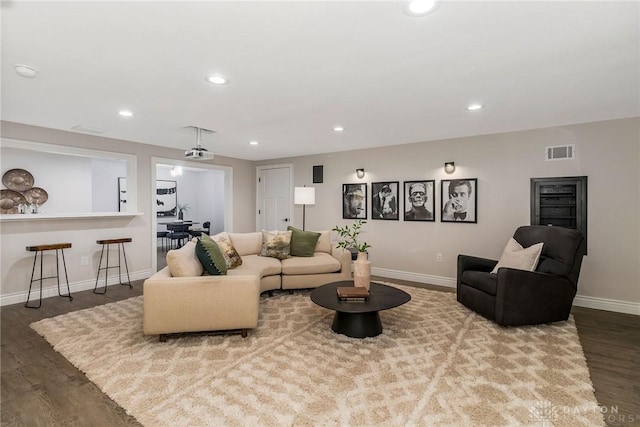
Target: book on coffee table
352, 293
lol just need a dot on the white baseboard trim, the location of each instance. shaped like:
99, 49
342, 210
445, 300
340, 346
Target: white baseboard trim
579, 301
52, 291
414, 277
607, 304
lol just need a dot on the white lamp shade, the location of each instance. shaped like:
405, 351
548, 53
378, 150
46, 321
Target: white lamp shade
304, 195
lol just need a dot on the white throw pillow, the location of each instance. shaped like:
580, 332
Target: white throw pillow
515, 256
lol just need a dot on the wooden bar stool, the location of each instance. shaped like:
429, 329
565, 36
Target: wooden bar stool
39, 249
105, 244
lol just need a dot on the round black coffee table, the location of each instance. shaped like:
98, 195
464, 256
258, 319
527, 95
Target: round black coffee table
359, 319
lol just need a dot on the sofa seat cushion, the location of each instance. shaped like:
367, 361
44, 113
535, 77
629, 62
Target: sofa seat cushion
486, 282
319, 263
259, 265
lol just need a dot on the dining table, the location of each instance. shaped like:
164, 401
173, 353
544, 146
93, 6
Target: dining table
178, 230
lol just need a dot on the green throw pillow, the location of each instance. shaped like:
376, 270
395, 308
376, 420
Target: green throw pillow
211, 257
303, 243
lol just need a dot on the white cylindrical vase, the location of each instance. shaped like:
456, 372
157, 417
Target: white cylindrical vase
362, 271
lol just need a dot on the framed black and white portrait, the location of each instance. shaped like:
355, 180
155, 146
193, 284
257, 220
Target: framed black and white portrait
459, 200
354, 201
419, 203
122, 194
166, 198
384, 200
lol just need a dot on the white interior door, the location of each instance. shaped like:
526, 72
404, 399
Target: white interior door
274, 197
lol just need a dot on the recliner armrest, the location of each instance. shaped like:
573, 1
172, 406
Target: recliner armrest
529, 297
468, 262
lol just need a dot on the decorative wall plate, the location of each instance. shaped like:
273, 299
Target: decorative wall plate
9, 201
17, 180
36, 195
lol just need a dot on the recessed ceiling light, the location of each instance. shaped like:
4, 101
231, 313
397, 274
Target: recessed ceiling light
474, 107
253, 143
420, 7
338, 128
26, 71
125, 113
217, 79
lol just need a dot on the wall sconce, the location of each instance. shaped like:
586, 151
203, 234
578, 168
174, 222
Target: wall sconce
450, 167
176, 171
360, 173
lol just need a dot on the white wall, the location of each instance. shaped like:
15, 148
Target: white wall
104, 183
607, 152
66, 179
15, 262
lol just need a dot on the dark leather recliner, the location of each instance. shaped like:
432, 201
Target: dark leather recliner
517, 297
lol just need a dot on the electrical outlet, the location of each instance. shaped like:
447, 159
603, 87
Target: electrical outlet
84, 260
438, 257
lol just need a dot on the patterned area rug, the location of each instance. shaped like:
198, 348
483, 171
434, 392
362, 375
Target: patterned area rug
436, 363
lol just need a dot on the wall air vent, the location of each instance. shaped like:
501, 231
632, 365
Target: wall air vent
88, 129
560, 152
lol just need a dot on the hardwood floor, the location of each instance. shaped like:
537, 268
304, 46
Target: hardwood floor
41, 388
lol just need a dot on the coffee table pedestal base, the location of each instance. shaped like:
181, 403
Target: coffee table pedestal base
357, 325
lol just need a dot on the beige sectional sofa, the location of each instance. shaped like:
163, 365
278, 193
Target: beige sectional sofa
179, 298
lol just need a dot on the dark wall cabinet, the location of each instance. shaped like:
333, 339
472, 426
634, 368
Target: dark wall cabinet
560, 202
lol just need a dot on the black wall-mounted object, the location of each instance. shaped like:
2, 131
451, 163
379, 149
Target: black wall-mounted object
560, 201
317, 174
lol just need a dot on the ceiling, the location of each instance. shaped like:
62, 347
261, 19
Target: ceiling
296, 69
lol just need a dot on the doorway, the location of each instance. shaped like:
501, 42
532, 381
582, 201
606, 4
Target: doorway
274, 198
204, 189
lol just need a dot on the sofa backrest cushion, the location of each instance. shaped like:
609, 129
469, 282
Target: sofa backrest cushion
183, 262
303, 243
324, 242
246, 243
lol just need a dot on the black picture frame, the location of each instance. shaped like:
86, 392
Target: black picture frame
466, 199
384, 204
166, 198
419, 208
354, 201
122, 194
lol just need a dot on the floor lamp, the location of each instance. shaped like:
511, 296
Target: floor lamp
304, 196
